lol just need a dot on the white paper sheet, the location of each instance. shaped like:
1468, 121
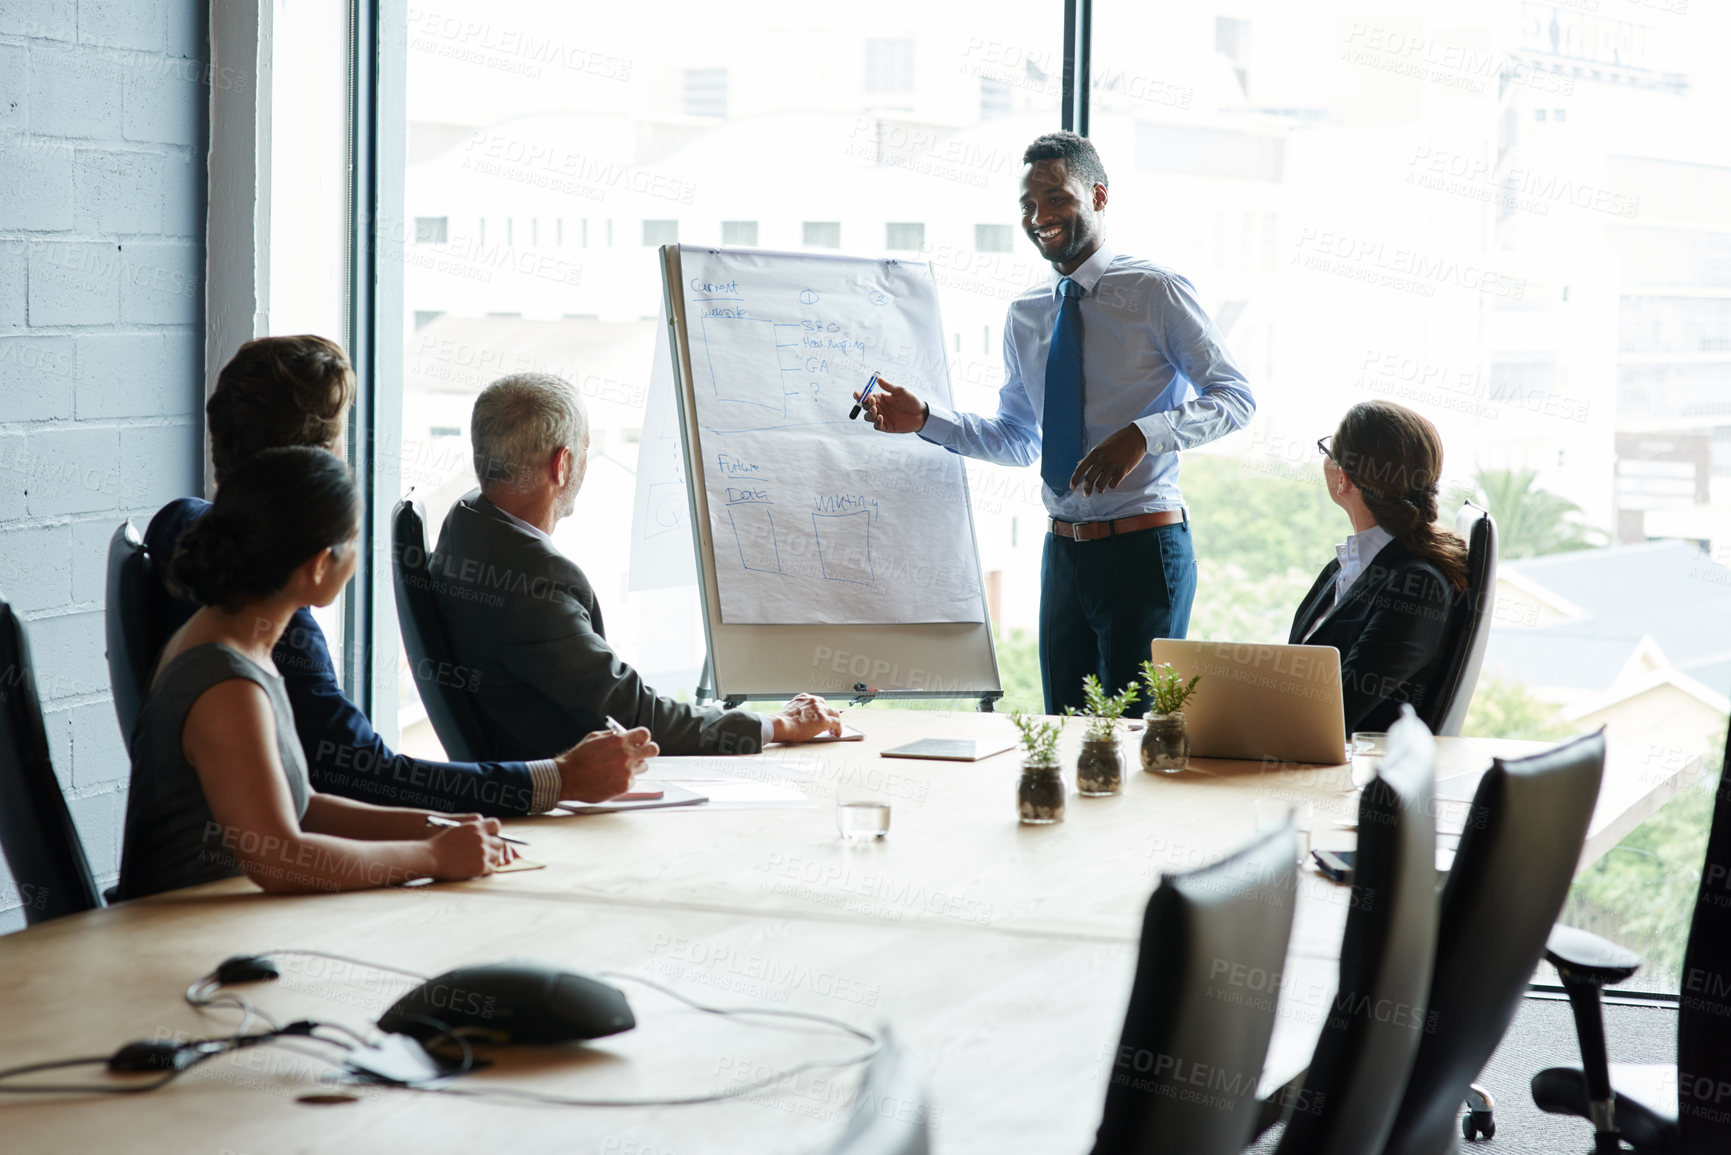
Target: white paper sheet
816, 518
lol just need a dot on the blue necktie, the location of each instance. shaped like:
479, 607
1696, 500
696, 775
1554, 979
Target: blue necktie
1061, 414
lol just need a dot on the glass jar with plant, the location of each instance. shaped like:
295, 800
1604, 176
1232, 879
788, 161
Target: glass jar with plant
1040, 794
1100, 765
1165, 742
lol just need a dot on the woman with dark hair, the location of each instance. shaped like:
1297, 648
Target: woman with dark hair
219, 783
1387, 600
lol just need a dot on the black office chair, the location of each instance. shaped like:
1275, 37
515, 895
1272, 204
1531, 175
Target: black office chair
1373, 1029
1511, 873
892, 1114
134, 637
452, 712
1445, 709
40, 842
1201, 1010
1647, 1105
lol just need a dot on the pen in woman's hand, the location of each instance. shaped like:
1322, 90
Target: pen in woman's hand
436, 820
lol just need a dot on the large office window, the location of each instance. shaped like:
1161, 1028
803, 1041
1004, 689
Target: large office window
1515, 219
846, 126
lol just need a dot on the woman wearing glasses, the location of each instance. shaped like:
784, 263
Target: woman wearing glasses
1386, 601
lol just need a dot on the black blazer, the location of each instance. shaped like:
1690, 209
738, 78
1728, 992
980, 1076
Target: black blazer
1391, 630
523, 617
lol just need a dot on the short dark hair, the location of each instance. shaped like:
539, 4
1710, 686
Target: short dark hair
276, 392
1077, 153
277, 509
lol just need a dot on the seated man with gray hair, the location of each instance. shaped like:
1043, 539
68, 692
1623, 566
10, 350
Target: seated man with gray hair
523, 615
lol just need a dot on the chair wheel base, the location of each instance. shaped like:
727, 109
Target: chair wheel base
1478, 1125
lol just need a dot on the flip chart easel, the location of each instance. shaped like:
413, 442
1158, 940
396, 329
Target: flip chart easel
858, 659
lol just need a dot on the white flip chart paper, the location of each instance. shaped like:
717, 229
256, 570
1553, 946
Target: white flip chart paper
816, 518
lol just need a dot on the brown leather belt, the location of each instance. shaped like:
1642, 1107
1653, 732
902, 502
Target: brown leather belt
1095, 530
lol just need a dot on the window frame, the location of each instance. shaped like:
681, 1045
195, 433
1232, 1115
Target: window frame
378, 129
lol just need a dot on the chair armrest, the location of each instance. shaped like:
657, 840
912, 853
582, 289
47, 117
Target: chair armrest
1587, 964
1585, 956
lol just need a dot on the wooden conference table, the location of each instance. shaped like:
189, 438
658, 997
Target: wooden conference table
1001, 954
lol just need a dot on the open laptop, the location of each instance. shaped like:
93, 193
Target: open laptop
1257, 701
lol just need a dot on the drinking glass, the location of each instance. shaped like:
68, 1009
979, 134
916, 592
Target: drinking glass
862, 815
1368, 748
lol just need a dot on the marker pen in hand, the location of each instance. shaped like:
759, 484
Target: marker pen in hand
863, 394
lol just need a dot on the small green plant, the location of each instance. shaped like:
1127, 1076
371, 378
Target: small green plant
1039, 739
1167, 691
1102, 709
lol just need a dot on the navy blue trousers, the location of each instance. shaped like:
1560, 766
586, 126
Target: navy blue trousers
1102, 602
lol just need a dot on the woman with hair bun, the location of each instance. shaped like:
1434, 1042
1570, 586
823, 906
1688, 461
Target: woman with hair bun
219, 781
1386, 602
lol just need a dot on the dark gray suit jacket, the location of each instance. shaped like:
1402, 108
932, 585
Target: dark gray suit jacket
523, 617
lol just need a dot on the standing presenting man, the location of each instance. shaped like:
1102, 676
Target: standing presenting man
1097, 364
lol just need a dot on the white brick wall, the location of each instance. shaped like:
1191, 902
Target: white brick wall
102, 123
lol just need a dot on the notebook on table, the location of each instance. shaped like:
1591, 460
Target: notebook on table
848, 734
952, 749
671, 795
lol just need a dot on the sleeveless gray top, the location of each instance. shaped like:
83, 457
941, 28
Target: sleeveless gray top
171, 840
